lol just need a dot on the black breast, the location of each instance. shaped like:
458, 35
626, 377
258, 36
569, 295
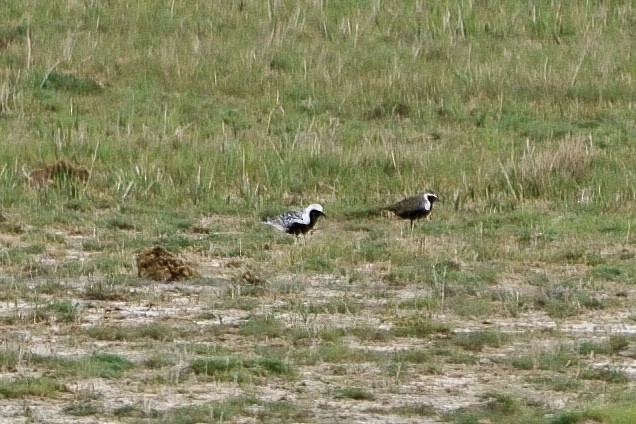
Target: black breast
413, 213
297, 228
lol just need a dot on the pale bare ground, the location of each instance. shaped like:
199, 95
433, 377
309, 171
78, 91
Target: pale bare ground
196, 307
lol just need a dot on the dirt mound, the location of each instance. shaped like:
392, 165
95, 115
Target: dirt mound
158, 264
60, 170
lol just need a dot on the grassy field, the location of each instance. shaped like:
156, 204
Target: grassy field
513, 303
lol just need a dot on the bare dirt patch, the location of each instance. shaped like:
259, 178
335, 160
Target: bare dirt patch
339, 335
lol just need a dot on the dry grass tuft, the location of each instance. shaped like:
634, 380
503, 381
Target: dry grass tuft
533, 174
572, 157
158, 264
46, 175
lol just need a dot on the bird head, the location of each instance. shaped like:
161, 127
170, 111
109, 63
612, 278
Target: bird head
317, 208
431, 197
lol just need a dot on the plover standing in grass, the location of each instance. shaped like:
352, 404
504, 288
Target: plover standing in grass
297, 222
414, 208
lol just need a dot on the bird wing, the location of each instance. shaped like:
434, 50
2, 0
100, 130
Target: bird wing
294, 217
406, 204
284, 221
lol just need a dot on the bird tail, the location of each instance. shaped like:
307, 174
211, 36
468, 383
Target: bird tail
273, 223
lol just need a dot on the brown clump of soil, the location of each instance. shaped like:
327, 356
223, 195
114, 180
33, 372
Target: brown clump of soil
156, 263
251, 278
62, 169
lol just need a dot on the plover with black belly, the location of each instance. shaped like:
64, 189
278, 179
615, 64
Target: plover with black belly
297, 222
414, 208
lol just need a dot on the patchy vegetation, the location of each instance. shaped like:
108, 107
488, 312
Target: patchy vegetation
178, 125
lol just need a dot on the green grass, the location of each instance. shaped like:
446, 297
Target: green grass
221, 411
354, 393
334, 353
607, 374
239, 370
557, 383
613, 345
195, 121
154, 331
23, 387
419, 327
66, 310
557, 360
339, 306
413, 411
103, 365
476, 341
107, 365
499, 408
84, 404
614, 414
262, 326
243, 107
